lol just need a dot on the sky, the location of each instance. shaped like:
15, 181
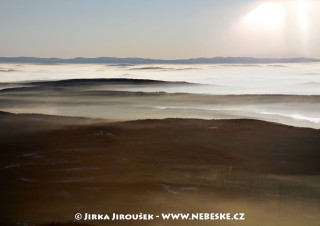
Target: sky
163, 29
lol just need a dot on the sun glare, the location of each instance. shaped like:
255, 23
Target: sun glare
268, 16
272, 16
302, 15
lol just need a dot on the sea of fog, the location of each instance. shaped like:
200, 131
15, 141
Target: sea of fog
296, 79
258, 80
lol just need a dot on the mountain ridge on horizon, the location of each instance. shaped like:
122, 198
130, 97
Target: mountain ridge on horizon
137, 60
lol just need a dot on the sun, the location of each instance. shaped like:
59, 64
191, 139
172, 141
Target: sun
272, 15
268, 16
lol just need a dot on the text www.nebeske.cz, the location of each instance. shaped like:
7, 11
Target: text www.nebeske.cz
163, 216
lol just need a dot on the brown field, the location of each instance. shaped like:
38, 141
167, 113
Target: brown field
54, 167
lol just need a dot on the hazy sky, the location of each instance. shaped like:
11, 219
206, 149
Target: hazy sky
166, 29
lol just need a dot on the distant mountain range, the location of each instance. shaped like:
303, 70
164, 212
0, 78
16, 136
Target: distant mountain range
114, 60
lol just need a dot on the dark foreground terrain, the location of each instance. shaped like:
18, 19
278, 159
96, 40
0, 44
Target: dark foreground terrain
54, 167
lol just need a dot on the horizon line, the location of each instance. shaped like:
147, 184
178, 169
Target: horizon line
190, 58
137, 60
